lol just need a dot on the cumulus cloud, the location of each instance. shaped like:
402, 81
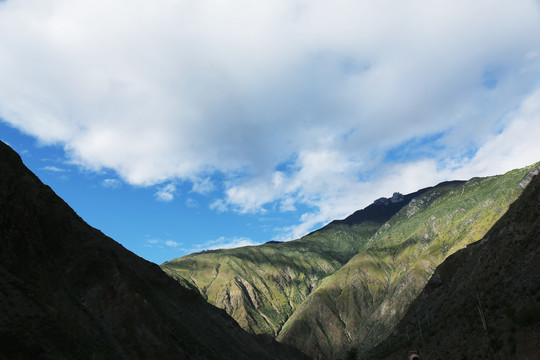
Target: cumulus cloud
515, 146
285, 102
166, 193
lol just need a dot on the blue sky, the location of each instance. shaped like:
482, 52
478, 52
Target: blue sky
156, 229
177, 126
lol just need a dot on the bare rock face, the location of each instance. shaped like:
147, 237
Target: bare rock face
67, 291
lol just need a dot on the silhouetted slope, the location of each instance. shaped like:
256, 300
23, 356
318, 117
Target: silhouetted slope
69, 292
500, 274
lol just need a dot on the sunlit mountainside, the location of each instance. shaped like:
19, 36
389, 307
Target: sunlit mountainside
346, 285
483, 301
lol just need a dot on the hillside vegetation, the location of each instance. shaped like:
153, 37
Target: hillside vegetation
483, 301
261, 286
357, 306
347, 285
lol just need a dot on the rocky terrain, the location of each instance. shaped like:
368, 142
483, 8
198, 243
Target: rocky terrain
67, 291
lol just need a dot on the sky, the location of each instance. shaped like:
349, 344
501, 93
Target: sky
176, 126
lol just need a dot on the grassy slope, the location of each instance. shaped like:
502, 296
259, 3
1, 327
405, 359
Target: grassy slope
261, 286
501, 272
360, 303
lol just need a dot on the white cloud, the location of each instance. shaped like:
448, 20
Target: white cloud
54, 169
516, 146
226, 243
172, 243
111, 183
166, 193
219, 205
192, 203
159, 243
203, 186
232, 90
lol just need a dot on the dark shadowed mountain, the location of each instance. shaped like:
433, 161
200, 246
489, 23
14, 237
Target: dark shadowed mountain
67, 291
483, 302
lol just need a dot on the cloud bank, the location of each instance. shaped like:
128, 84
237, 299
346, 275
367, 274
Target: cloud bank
325, 104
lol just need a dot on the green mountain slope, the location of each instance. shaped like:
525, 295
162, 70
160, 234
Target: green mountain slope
483, 301
359, 304
261, 286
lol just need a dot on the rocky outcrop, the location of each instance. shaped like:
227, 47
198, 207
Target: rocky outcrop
69, 292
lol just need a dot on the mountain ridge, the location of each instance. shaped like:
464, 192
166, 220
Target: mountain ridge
483, 300
235, 280
261, 286
358, 305
385, 208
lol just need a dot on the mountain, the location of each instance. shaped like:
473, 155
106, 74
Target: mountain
345, 286
484, 300
69, 292
356, 307
261, 286
384, 208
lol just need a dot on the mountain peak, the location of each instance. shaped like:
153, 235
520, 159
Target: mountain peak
396, 198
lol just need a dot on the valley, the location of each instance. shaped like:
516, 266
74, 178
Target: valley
347, 285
